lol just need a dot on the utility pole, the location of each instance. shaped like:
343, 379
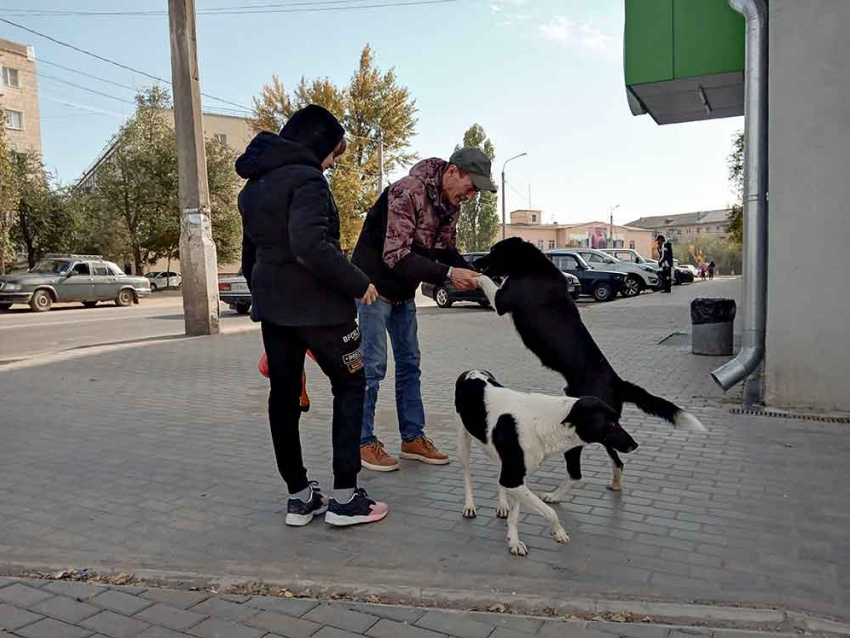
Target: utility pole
611, 226
503, 189
380, 161
197, 249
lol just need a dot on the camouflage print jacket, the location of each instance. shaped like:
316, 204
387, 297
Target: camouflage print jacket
410, 234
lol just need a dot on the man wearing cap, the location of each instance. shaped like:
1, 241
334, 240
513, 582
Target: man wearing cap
410, 236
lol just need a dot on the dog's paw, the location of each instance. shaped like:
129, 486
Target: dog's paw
469, 511
519, 549
502, 511
615, 486
560, 535
550, 497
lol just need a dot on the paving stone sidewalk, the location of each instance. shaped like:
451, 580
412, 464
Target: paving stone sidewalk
61, 609
158, 458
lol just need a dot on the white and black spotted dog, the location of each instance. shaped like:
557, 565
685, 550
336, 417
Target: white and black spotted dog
519, 430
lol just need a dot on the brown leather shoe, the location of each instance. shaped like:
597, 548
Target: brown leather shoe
374, 457
423, 449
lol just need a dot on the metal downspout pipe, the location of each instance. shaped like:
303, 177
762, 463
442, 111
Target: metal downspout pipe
750, 357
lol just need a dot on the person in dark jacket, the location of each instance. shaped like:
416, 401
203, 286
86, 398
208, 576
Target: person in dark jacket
410, 236
665, 262
303, 293
711, 268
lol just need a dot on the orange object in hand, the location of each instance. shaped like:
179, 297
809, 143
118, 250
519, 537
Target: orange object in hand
304, 399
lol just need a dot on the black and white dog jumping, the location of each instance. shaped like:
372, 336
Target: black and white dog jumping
519, 430
534, 292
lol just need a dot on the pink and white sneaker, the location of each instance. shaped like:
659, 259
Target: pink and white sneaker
360, 509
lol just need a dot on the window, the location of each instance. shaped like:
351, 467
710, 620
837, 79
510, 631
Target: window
100, 271
566, 262
592, 258
81, 269
15, 120
632, 245
221, 138
551, 244
115, 270
540, 244
11, 78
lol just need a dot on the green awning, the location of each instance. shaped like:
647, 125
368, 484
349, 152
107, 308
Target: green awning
684, 59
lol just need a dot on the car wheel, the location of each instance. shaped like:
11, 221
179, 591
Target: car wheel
441, 296
89, 304
124, 298
632, 287
603, 292
5, 306
153, 287
243, 308
41, 301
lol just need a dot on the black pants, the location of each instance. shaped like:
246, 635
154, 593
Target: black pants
337, 351
666, 278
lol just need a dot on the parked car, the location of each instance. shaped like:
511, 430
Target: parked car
602, 285
629, 254
682, 274
446, 294
691, 269
161, 279
639, 277
233, 290
84, 278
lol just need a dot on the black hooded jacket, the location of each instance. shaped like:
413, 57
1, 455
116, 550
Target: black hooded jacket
291, 257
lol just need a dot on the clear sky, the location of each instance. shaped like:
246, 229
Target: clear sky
541, 76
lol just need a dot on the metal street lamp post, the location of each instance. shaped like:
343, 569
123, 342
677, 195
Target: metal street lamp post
503, 188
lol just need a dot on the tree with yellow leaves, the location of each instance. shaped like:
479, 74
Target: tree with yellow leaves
373, 105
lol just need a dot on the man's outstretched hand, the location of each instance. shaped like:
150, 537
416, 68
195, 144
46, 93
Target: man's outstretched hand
371, 295
464, 279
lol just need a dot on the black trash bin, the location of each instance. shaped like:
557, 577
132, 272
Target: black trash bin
712, 323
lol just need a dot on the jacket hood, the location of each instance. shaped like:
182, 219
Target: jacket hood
269, 151
430, 172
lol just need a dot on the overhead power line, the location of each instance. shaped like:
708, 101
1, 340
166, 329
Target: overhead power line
88, 75
511, 186
84, 88
298, 7
112, 62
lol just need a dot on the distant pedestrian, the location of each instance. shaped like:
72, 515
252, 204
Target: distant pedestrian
665, 262
711, 267
303, 292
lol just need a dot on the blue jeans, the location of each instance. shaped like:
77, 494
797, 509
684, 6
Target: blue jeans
399, 320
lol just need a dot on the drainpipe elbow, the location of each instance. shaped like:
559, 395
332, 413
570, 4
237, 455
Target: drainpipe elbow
739, 368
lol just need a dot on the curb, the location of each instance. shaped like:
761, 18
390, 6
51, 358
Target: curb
77, 352
669, 614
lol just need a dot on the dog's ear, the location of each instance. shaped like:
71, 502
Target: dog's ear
595, 421
588, 416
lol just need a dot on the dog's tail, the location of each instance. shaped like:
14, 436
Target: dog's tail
656, 406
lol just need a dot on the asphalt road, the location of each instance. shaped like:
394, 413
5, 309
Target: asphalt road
24, 334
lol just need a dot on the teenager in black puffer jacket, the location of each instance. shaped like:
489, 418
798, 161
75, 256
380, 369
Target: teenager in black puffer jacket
304, 293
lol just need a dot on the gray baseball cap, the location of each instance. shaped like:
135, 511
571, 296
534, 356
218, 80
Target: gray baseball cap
477, 164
